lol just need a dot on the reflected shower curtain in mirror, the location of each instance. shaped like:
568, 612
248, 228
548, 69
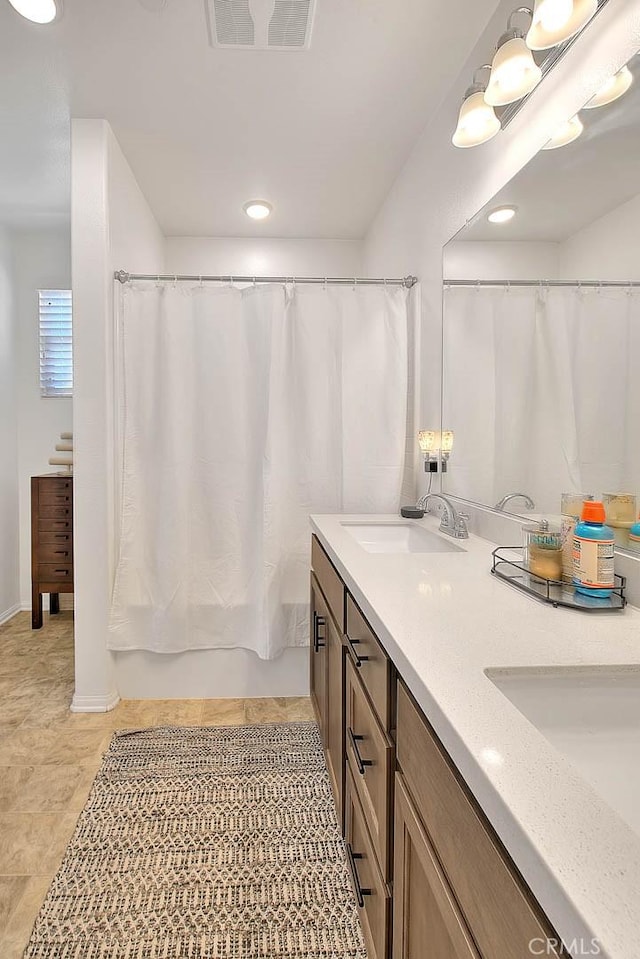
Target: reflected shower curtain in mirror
243, 411
540, 389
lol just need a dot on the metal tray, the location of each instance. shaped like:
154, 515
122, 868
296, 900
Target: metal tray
508, 565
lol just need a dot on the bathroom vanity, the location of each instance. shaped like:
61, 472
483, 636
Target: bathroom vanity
465, 827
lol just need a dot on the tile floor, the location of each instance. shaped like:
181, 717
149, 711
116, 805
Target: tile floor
50, 756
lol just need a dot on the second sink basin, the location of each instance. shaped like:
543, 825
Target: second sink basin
399, 538
592, 716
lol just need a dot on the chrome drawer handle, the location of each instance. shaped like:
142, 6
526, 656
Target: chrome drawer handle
360, 892
354, 740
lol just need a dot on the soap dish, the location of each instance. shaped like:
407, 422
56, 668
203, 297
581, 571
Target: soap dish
508, 565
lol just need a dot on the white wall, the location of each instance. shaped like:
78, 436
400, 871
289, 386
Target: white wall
607, 249
9, 533
441, 188
500, 260
111, 225
42, 260
263, 256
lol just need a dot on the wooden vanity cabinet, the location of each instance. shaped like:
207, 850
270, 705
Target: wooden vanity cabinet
327, 665
51, 541
431, 878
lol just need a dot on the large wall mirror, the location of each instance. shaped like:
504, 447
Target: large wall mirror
541, 347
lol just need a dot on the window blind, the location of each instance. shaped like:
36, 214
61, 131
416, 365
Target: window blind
56, 348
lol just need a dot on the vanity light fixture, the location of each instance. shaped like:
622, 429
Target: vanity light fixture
436, 447
555, 21
567, 133
477, 121
257, 209
613, 89
514, 72
502, 214
38, 11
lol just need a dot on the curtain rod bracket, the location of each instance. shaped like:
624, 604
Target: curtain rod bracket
122, 276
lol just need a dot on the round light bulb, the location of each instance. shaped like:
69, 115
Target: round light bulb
502, 214
555, 21
553, 14
567, 133
477, 122
38, 11
613, 89
514, 73
257, 209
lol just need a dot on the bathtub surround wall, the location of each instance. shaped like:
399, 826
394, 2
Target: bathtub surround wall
441, 188
9, 494
114, 228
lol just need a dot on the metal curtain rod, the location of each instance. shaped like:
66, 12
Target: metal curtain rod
407, 281
589, 284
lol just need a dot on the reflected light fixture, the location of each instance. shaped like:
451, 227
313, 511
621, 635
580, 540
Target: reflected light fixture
435, 445
567, 133
257, 209
613, 89
38, 11
555, 21
502, 214
477, 121
514, 72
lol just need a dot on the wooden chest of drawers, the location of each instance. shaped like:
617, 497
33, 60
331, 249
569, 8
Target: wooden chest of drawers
51, 541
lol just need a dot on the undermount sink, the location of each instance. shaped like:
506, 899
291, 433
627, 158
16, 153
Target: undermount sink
592, 716
399, 538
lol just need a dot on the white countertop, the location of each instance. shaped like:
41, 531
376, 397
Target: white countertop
443, 619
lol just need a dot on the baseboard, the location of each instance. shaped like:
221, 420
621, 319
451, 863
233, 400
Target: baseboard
10, 613
94, 704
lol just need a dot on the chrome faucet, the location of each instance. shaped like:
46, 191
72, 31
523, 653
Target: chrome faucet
453, 523
528, 502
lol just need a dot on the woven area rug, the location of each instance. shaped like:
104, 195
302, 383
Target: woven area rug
205, 843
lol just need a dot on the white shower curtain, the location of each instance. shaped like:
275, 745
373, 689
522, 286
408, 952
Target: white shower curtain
244, 410
540, 389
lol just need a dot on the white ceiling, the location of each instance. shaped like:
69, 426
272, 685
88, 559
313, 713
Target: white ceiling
562, 191
322, 134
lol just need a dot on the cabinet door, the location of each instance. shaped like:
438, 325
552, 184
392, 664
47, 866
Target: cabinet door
335, 713
318, 656
427, 923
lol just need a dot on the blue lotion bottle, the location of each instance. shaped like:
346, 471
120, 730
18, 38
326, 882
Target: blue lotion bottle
593, 553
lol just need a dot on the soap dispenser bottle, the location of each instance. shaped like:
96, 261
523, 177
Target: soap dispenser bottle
634, 535
593, 552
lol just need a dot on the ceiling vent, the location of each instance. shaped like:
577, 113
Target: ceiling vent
260, 24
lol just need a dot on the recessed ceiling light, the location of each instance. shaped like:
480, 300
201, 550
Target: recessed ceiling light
257, 209
502, 214
38, 11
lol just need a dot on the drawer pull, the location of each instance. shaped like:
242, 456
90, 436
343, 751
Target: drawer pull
360, 892
319, 622
357, 660
354, 740
61, 552
65, 571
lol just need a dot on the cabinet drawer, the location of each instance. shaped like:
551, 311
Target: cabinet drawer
58, 553
54, 511
51, 525
371, 661
371, 757
372, 894
55, 496
62, 539
55, 573
499, 908
329, 581
424, 906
